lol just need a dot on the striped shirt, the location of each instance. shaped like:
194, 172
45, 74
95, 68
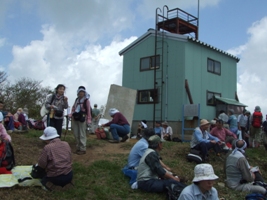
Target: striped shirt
56, 158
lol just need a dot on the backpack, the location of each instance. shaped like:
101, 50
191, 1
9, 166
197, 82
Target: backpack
7, 158
174, 191
85, 106
100, 133
256, 119
39, 125
194, 156
37, 172
255, 196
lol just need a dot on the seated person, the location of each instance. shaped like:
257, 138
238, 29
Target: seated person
17, 124
166, 132
158, 128
239, 174
21, 119
118, 126
202, 185
203, 141
223, 134
9, 122
56, 160
141, 126
151, 176
7, 160
3, 134
135, 155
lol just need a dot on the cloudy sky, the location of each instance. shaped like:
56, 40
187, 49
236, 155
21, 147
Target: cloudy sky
77, 42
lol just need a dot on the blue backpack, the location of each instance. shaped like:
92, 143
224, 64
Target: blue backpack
255, 196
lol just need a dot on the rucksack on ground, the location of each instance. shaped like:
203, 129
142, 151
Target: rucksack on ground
174, 191
255, 196
7, 158
194, 156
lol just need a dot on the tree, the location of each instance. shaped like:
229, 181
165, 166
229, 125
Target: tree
25, 93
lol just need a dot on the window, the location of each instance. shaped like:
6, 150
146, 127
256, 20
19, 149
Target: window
147, 96
148, 63
214, 66
211, 99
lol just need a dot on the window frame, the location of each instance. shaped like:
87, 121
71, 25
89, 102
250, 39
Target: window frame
150, 63
150, 95
213, 102
214, 68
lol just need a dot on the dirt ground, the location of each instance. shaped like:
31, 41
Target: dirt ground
28, 149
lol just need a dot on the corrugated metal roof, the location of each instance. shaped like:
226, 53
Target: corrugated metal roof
174, 36
212, 47
230, 101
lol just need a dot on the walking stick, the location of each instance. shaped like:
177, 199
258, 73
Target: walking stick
67, 126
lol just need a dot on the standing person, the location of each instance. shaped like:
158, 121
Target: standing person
224, 117
242, 121
56, 103
264, 129
232, 121
95, 118
81, 117
202, 186
119, 126
255, 128
55, 159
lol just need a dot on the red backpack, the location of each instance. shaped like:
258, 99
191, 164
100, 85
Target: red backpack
256, 119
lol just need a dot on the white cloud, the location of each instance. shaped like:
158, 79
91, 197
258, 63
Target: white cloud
88, 20
54, 61
252, 67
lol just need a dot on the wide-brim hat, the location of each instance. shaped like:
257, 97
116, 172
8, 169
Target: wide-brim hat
204, 172
164, 123
204, 122
49, 133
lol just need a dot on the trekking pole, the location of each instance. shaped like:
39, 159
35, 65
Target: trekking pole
67, 126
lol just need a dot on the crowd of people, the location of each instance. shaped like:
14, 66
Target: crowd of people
145, 168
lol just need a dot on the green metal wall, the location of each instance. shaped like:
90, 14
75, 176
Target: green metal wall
184, 60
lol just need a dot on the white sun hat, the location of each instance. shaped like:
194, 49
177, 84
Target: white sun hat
49, 133
204, 172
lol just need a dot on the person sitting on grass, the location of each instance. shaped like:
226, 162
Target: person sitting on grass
119, 126
202, 186
56, 160
223, 134
203, 141
135, 155
3, 133
166, 132
240, 176
158, 128
151, 176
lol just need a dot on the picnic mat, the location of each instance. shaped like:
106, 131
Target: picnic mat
20, 176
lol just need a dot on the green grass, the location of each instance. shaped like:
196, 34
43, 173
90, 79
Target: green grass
103, 179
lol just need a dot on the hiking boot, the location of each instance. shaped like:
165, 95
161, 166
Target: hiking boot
114, 141
81, 152
124, 138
